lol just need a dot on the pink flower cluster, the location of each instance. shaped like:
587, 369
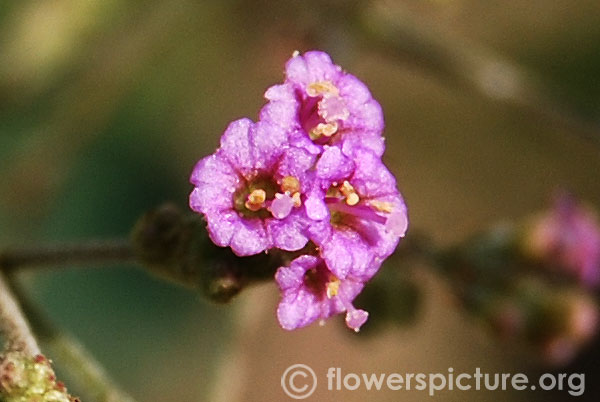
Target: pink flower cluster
567, 235
309, 170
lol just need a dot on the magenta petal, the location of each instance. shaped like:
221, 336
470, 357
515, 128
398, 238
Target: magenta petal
320, 67
204, 199
319, 231
221, 227
346, 253
357, 140
371, 178
297, 309
215, 182
267, 142
293, 276
250, 237
316, 208
296, 70
354, 90
281, 92
299, 139
333, 165
214, 168
290, 233
295, 162
236, 146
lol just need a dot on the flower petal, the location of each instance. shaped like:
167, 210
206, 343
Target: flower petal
346, 253
267, 142
236, 145
371, 177
291, 233
250, 237
333, 165
221, 226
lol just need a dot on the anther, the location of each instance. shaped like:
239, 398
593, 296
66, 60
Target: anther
324, 129
289, 184
321, 88
256, 200
333, 288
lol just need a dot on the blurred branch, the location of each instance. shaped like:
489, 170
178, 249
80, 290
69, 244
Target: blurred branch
396, 31
66, 254
13, 325
84, 369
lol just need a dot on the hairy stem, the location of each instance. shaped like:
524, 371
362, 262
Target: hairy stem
13, 325
64, 254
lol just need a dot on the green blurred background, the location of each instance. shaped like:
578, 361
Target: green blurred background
105, 106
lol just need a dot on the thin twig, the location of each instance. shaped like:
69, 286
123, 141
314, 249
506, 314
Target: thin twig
84, 369
13, 325
65, 254
399, 32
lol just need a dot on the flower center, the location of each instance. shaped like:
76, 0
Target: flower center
262, 197
345, 204
322, 111
321, 282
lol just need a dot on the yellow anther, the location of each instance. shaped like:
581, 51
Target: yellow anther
347, 188
350, 193
333, 287
296, 199
382, 206
326, 129
290, 184
321, 88
256, 200
352, 199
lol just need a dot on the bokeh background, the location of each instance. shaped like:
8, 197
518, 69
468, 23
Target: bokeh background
106, 105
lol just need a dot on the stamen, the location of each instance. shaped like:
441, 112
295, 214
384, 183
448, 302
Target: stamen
333, 287
382, 206
321, 88
350, 193
296, 199
360, 211
256, 200
323, 129
352, 199
289, 184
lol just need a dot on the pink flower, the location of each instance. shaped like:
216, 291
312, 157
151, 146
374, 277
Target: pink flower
250, 190
569, 236
309, 291
366, 213
320, 104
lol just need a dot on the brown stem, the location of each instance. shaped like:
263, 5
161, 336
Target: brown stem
64, 254
13, 325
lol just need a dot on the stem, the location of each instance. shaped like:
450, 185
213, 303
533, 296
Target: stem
13, 325
83, 368
397, 31
63, 254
